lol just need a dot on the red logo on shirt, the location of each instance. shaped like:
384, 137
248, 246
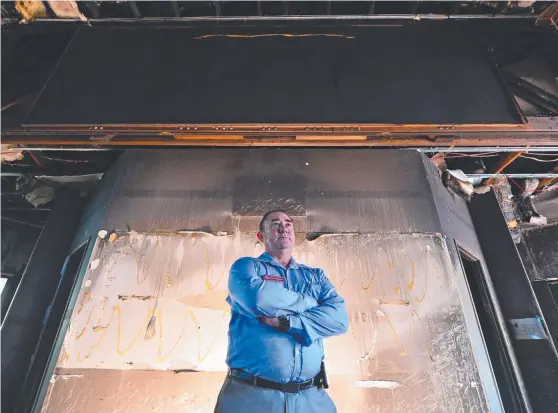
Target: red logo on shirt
276, 278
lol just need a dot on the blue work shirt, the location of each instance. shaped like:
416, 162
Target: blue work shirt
261, 287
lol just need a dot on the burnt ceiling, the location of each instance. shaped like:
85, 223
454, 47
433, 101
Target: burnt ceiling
518, 37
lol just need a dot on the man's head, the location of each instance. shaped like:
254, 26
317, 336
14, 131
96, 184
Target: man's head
276, 231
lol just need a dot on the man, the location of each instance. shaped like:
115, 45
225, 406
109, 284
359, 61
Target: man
280, 313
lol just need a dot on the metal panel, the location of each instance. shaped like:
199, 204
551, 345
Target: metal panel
379, 210
295, 74
549, 305
517, 300
542, 246
407, 328
331, 190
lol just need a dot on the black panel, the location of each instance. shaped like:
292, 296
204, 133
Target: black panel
536, 358
414, 74
542, 244
28, 58
23, 323
547, 295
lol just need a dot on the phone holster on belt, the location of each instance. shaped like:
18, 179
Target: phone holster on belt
323, 377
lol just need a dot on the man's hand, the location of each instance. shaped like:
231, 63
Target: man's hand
270, 321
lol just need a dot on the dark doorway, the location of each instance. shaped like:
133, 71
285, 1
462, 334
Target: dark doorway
492, 333
46, 353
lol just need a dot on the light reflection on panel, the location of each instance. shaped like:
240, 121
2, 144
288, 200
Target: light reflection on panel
157, 302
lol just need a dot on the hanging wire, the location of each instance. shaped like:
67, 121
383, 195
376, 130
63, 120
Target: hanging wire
538, 160
536, 190
467, 155
39, 163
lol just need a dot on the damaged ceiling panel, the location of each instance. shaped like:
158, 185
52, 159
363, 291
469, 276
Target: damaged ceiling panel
127, 76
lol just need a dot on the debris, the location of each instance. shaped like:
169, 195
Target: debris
102, 234
527, 3
88, 283
458, 182
30, 10
529, 186
538, 220
41, 189
94, 264
40, 195
482, 189
8, 155
524, 207
66, 9
221, 233
439, 159
80, 183
502, 190
113, 237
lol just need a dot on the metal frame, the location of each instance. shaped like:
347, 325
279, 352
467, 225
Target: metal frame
536, 132
400, 17
489, 290
36, 397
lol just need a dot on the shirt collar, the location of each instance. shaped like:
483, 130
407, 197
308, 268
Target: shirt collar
268, 258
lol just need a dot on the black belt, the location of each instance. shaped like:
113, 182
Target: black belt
291, 387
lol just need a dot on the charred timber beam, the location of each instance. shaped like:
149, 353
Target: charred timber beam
501, 165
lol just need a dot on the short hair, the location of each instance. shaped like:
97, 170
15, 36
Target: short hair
268, 214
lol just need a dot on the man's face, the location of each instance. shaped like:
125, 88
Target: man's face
278, 232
